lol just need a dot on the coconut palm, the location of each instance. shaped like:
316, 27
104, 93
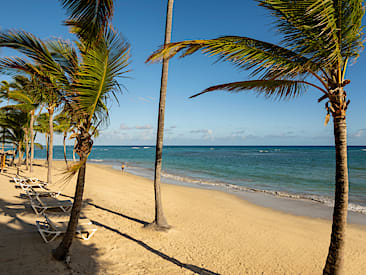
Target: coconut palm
320, 39
28, 99
160, 222
46, 67
92, 87
15, 122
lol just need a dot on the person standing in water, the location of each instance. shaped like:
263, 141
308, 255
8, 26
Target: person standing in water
123, 167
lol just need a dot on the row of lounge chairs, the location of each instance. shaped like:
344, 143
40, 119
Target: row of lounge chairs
42, 200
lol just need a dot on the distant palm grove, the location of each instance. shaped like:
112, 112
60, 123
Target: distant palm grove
65, 87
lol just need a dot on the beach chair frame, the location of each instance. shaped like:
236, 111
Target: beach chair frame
49, 230
40, 207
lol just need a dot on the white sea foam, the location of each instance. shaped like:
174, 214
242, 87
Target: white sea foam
315, 198
363, 149
146, 147
135, 147
97, 160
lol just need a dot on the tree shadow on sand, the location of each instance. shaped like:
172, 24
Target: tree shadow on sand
193, 268
23, 251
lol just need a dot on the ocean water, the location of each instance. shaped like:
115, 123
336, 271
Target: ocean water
304, 172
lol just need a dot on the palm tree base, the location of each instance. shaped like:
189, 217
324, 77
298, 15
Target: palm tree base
60, 255
158, 227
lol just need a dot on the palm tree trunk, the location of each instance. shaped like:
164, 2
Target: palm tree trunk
50, 148
47, 143
73, 152
160, 221
26, 149
334, 263
19, 154
65, 135
32, 141
61, 252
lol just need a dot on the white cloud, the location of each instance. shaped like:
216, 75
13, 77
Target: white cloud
360, 133
137, 127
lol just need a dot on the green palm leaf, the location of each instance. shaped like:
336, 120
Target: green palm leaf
96, 81
89, 19
269, 88
245, 53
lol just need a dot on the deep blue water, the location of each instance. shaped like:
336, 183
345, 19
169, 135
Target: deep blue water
305, 170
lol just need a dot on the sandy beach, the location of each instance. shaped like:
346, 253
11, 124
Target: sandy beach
212, 232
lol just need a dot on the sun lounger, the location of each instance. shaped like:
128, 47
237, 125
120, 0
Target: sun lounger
31, 192
50, 230
29, 182
40, 205
29, 187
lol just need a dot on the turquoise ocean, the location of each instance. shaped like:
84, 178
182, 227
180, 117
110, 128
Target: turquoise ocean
299, 172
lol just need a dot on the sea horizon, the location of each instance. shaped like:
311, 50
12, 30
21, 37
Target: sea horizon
296, 172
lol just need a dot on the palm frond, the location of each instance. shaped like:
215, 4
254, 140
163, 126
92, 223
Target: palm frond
88, 19
325, 31
34, 48
96, 81
244, 52
277, 89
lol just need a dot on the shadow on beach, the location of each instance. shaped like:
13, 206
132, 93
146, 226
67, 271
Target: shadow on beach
23, 251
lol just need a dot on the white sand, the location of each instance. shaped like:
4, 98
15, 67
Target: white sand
212, 232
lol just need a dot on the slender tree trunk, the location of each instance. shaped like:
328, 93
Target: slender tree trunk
20, 154
62, 251
47, 151
26, 149
14, 154
32, 141
334, 263
65, 135
73, 152
84, 146
160, 222
50, 156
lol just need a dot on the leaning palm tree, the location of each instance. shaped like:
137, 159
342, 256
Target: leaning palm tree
320, 39
160, 222
92, 86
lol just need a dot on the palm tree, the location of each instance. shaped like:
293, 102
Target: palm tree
160, 222
92, 87
28, 99
320, 39
15, 122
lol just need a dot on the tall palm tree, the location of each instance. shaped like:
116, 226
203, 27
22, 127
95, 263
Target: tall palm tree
28, 99
320, 39
46, 67
104, 57
160, 222
93, 85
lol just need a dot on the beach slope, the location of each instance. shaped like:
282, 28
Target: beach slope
212, 232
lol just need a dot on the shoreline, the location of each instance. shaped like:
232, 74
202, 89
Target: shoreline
213, 232
289, 205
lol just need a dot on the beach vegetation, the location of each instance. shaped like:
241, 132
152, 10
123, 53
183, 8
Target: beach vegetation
104, 56
320, 39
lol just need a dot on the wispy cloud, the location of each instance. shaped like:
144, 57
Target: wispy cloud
360, 133
205, 133
137, 127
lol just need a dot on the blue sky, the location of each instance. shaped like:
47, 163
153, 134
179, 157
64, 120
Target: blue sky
217, 118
